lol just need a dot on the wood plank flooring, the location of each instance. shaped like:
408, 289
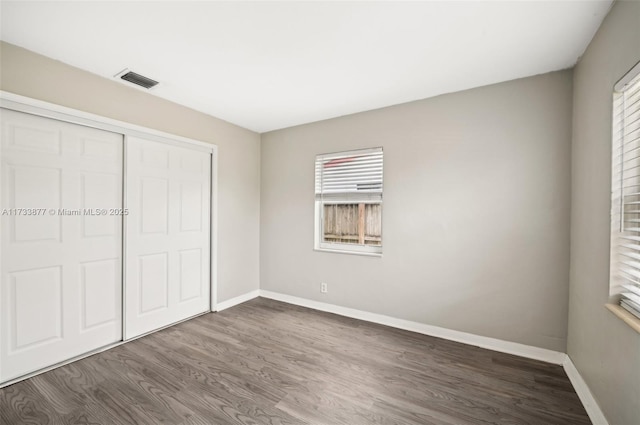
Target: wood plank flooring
266, 362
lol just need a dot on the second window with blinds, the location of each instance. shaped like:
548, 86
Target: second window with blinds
348, 201
625, 193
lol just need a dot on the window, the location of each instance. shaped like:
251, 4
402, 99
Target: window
625, 193
349, 201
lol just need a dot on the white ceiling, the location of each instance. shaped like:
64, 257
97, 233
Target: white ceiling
269, 65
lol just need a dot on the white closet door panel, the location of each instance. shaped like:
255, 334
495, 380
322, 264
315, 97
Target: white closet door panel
100, 292
154, 206
100, 191
32, 187
168, 235
154, 282
60, 283
190, 274
36, 293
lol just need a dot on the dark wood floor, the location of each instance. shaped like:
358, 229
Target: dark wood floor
265, 362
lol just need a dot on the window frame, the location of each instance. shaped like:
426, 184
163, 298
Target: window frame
337, 247
621, 261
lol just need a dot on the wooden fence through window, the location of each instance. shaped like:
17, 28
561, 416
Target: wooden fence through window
353, 223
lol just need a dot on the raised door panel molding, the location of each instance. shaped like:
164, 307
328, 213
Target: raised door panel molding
101, 289
100, 193
154, 205
36, 308
35, 187
153, 281
190, 274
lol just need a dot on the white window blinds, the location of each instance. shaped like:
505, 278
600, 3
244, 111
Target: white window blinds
350, 176
625, 193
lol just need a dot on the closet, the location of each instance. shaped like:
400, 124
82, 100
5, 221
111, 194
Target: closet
105, 236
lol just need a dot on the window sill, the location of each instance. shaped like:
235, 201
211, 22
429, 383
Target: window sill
625, 316
342, 251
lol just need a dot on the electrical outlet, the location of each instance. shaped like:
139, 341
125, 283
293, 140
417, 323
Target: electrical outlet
323, 288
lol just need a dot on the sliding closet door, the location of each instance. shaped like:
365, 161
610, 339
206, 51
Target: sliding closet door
61, 281
168, 235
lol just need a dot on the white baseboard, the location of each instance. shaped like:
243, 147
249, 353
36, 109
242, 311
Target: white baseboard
587, 399
237, 300
508, 347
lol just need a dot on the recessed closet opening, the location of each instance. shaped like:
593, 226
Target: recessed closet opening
108, 233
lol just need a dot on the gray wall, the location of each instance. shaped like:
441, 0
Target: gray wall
604, 349
29, 74
475, 219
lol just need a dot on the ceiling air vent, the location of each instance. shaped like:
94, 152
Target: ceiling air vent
138, 79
